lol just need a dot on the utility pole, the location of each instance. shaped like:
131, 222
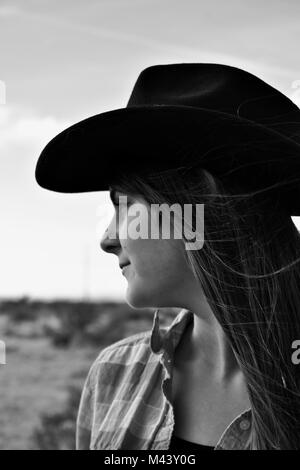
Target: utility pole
86, 281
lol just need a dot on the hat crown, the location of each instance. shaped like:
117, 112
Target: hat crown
217, 87
212, 116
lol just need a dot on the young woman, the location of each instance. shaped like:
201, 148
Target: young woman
222, 375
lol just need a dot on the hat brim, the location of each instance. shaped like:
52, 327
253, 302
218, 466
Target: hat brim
93, 153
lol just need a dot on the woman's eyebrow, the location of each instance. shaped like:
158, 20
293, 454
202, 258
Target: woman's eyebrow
114, 195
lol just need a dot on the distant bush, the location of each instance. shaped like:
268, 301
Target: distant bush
57, 431
86, 324
73, 320
19, 310
69, 323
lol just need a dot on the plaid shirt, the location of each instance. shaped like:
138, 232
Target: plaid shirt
125, 402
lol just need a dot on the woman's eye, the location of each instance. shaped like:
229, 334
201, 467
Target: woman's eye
117, 204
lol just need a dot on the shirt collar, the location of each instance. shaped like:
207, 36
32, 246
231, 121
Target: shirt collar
168, 338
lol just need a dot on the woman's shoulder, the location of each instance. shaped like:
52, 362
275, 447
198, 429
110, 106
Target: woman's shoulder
126, 345
128, 351
129, 341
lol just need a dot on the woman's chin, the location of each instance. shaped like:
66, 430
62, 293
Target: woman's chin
138, 299
136, 302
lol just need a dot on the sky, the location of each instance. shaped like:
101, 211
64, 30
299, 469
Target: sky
62, 61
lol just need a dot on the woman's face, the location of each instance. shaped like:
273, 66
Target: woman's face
157, 272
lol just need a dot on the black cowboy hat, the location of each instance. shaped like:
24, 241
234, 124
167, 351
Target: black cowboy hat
219, 117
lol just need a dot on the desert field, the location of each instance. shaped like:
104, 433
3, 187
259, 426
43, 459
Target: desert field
36, 380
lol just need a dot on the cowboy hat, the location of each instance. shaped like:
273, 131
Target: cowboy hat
216, 116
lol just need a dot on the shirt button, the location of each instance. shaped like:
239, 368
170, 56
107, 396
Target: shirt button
245, 424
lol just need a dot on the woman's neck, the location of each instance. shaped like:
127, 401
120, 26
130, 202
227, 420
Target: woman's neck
205, 342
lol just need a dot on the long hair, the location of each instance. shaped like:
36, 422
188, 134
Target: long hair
249, 271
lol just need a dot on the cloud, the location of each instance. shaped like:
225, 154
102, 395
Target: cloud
24, 126
9, 10
23, 135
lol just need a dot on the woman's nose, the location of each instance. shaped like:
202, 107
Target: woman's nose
109, 242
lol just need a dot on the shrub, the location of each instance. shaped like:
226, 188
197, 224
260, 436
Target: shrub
57, 430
